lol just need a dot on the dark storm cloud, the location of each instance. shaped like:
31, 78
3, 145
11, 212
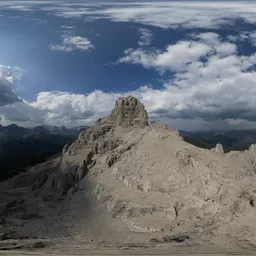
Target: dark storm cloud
7, 96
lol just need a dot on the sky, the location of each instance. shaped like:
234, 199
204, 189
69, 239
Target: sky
192, 63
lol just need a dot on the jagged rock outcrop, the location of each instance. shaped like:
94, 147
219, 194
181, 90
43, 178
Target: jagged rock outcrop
219, 149
252, 147
65, 149
96, 141
124, 177
128, 112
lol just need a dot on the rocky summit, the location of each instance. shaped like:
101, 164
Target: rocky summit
126, 181
129, 112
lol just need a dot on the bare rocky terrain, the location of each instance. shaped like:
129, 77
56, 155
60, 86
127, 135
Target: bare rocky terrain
129, 184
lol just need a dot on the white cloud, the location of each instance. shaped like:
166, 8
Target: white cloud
20, 8
71, 43
145, 37
251, 36
23, 112
177, 57
232, 38
189, 14
7, 76
225, 49
71, 106
218, 86
210, 85
242, 37
5, 73
208, 37
205, 93
185, 14
213, 39
60, 108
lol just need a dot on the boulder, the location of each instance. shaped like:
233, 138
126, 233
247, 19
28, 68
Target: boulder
219, 148
252, 147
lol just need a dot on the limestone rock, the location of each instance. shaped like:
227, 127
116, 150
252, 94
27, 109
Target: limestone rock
69, 175
128, 112
252, 147
65, 149
219, 149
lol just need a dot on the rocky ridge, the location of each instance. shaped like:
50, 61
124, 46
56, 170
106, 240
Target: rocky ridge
140, 181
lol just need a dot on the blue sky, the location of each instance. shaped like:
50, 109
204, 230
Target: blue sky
191, 63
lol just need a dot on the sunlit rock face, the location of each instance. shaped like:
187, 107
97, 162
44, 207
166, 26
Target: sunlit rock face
128, 112
252, 147
98, 140
219, 148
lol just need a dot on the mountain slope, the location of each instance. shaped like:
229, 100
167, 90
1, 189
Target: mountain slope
21, 147
126, 180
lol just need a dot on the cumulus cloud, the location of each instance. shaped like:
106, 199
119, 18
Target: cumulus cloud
207, 93
177, 57
7, 77
60, 108
145, 37
10, 74
251, 36
23, 112
210, 81
208, 37
209, 84
13, 108
221, 89
245, 36
71, 106
71, 43
7, 96
5, 74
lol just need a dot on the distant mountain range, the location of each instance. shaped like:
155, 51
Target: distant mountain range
23, 147
231, 140
14, 130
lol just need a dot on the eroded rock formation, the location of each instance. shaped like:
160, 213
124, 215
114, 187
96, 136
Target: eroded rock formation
219, 149
129, 112
124, 176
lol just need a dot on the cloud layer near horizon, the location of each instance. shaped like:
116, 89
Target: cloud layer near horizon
206, 85
186, 14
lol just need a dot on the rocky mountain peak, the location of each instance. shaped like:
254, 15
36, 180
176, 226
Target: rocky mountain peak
129, 111
144, 180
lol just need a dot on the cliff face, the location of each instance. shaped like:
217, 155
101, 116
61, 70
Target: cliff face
129, 112
101, 139
126, 179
